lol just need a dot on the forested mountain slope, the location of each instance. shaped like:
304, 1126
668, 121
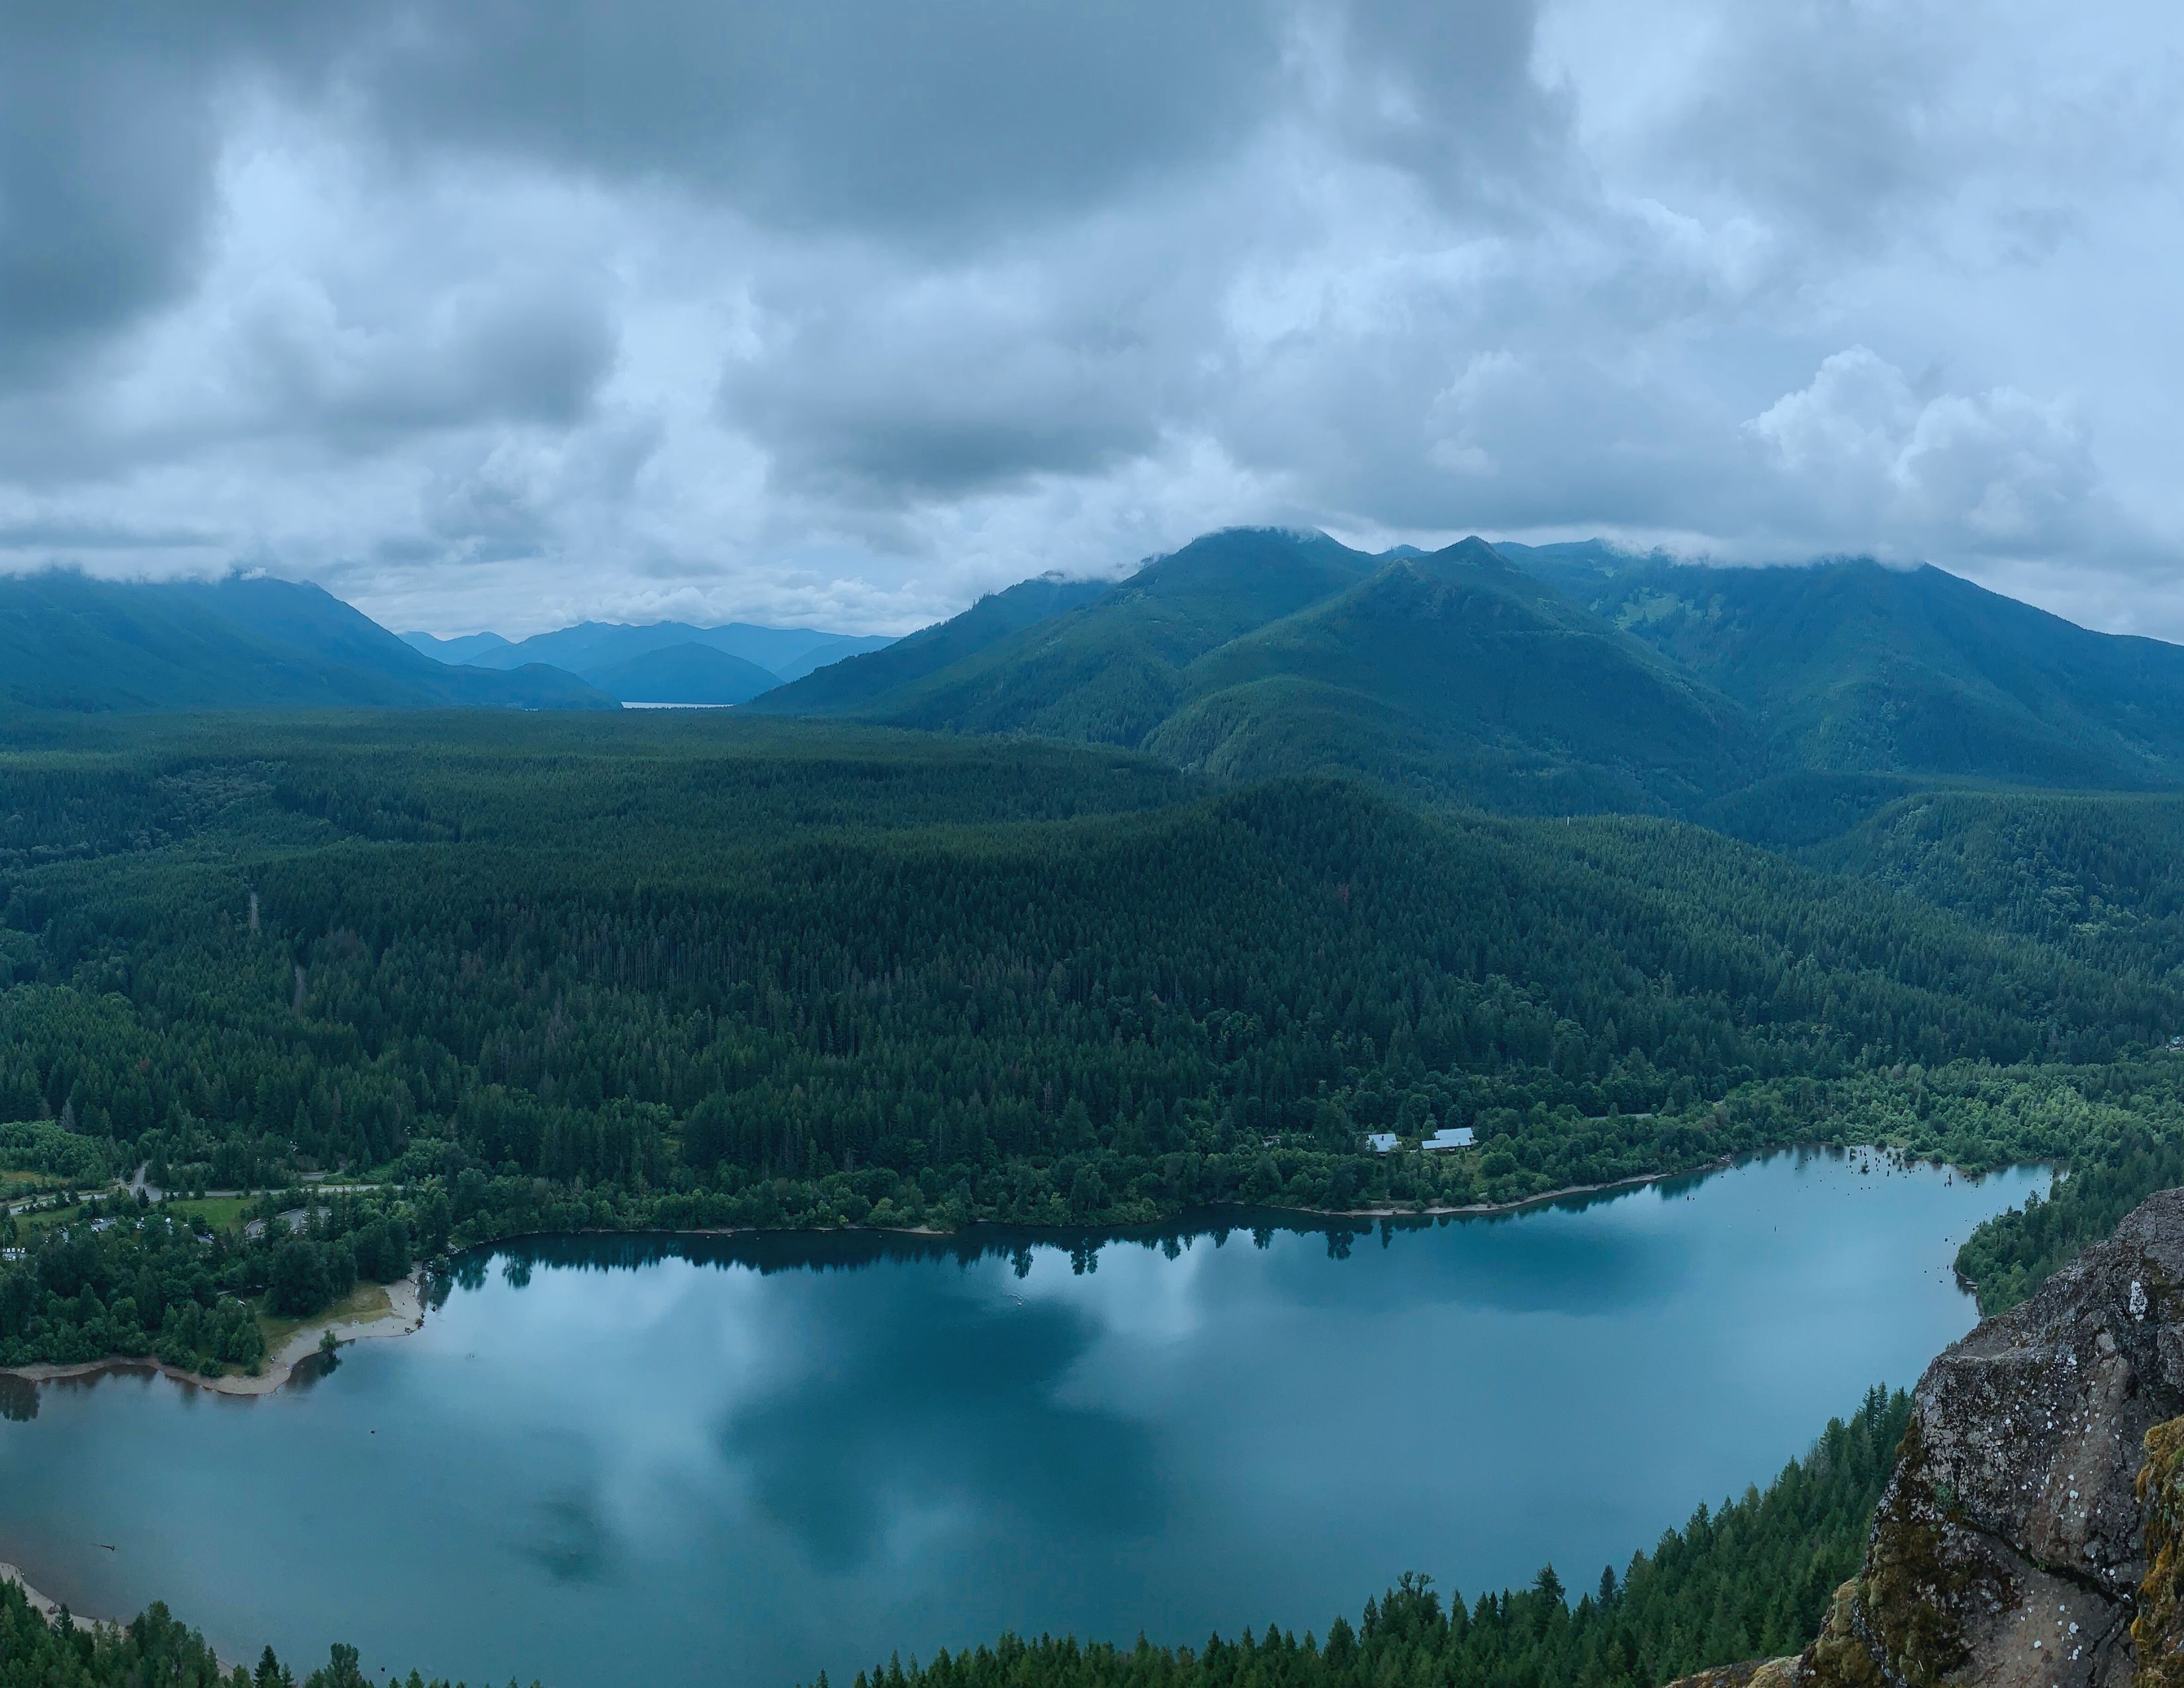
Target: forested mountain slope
1456, 674
1779, 703
856, 683
777, 972
2102, 875
1113, 670
1252, 653
460, 650
1856, 667
69, 642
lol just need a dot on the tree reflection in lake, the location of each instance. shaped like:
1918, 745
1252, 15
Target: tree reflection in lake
605, 1456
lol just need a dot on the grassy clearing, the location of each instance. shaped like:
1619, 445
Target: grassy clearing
213, 1214
28, 1225
210, 1212
365, 1301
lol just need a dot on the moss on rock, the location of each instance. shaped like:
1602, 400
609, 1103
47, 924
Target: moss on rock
2158, 1629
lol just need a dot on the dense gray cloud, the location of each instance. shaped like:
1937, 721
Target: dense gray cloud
105, 184
844, 311
856, 114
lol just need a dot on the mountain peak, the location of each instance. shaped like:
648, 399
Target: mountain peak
1471, 552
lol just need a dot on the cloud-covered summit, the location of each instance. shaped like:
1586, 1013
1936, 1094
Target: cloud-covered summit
844, 311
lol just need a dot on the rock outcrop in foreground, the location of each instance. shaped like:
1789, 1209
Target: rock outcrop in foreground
2032, 1535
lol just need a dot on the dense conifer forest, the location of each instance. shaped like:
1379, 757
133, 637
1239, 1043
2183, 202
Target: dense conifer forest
528, 974
153, 1646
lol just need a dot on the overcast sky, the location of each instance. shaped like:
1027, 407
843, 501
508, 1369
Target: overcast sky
841, 311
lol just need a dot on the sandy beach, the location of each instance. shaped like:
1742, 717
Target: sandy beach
405, 1313
46, 1608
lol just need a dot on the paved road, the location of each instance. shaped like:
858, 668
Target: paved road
138, 1184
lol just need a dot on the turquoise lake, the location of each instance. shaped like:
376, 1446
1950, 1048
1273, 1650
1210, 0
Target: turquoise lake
748, 1460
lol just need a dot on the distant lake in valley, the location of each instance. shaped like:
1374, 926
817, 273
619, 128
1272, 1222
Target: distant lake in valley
749, 1459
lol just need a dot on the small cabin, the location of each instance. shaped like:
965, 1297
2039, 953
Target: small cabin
1449, 1136
1381, 1142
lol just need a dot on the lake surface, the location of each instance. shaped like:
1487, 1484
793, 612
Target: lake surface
745, 1461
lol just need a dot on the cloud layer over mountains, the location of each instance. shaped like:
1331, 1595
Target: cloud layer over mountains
842, 311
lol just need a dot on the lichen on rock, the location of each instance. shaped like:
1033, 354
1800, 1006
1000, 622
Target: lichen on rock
2157, 1630
1758, 1673
2033, 1532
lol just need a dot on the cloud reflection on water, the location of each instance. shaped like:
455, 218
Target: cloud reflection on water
1020, 1391
779, 1455
909, 1401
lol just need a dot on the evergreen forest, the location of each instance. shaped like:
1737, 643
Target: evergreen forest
494, 974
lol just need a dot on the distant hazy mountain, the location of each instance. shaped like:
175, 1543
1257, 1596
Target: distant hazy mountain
592, 646
468, 648
1854, 668
70, 642
685, 673
774, 648
853, 683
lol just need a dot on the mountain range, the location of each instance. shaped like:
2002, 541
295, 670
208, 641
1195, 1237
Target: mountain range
663, 662
1543, 679
69, 643
1781, 703
72, 644
1254, 652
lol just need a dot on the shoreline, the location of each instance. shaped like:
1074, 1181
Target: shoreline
1475, 1210
46, 1607
49, 1609
1636, 1181
363, 1329
404, 1315
405, 1311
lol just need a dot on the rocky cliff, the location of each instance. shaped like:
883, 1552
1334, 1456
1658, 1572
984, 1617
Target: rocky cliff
2032, 1535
